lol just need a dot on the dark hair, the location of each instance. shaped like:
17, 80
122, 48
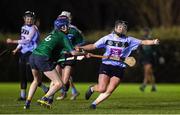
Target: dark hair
119, 22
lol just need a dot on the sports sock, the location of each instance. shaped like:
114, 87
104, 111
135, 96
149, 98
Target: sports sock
44, 88
154, 86
94, 103
51, 97
92, 89
73, 91
23, 93
143, 85
62, 91
28, 102
45, 98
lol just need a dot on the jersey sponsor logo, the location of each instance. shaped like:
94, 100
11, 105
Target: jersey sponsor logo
115, 52
24, 31
117, 43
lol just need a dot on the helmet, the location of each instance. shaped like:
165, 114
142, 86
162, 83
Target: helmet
29, 14
67, 14
63, 17
59, 22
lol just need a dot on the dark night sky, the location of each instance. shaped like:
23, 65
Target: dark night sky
87, 14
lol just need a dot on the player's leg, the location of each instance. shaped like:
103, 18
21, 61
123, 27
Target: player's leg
57, 84
52, 96
113, 84
60, 70
33, 87
65, 77
153, 84
151, 77
25, 72
23, 77
74, 91
66, 74
146, 77
42, 85
103, 81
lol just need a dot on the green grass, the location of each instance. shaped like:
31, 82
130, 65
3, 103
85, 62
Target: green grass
127, 99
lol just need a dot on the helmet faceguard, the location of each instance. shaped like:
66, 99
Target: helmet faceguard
60, 22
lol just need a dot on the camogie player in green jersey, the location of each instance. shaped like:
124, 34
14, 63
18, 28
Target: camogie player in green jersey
43, 57
65, 68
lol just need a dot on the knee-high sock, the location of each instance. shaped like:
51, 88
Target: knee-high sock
23, 93
44, 87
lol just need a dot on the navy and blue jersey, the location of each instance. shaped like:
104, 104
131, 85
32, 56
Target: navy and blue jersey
117, 47
29, 38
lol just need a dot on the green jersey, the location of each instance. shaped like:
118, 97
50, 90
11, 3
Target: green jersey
148, 50
148, 53
54, 43
75, 37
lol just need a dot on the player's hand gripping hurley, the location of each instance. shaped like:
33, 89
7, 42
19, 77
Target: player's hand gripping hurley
130, 61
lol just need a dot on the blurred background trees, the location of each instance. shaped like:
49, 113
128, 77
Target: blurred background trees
96, 18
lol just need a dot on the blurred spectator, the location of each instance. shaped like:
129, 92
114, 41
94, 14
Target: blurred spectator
148, 57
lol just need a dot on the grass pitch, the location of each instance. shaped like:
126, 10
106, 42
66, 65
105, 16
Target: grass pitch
127, 99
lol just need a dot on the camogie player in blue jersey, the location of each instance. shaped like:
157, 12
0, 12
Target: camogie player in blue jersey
111, 72
29, 39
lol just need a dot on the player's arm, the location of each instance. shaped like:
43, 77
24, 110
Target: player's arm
88, 47
98, 44
68, 45
16, 49
150, 42
23, 41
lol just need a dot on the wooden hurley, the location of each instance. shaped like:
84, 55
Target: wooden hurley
130, 61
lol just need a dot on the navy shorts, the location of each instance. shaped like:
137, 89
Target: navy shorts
24, 58
41, 63
67, 63
111, 70
148, 61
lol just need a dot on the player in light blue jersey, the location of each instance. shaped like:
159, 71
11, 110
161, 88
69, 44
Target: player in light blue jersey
111, 72
29, 39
